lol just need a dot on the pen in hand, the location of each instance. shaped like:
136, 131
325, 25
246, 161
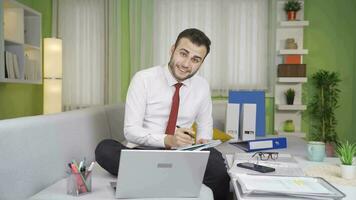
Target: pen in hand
187, 133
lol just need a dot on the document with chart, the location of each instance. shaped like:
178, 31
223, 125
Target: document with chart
291, 187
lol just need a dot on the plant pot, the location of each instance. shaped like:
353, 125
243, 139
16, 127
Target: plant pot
348, 171
290, 100
291, 15
316, 151
330, 149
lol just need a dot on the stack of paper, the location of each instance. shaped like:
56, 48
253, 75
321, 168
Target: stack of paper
199, 147
284, 187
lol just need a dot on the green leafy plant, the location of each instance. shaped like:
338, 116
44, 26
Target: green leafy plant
292, 5
290, 94
323, 106
289, 126
346, 152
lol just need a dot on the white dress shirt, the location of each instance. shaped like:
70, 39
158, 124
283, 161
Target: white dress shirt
148, 105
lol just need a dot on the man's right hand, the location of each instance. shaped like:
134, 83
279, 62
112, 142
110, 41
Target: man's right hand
180, 138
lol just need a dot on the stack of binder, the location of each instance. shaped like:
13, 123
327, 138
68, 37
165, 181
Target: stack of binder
249, 186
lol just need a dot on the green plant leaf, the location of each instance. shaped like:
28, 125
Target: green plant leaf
346, 152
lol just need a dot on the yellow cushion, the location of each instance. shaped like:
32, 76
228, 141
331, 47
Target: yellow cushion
217, 134
220, 135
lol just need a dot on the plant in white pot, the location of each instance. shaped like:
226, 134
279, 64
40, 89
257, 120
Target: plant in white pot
346, 152
289, 94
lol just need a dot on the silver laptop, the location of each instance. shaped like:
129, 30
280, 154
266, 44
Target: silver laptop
160, 173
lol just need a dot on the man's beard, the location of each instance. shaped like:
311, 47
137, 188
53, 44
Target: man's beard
171, 65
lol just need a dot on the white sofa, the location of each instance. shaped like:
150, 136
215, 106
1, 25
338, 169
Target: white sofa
34, 150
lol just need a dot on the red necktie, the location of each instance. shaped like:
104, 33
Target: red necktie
172, 121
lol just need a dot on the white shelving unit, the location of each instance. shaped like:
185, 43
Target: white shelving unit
288, 29
293, 51
293, 23
292, 79
21, 37
294, 107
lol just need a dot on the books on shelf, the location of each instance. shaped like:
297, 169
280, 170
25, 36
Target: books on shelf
16, 66
12, 69
31, 69
9, 64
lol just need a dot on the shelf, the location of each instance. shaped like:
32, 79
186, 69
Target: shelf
292, 79
7, 80
296, 24
11, 42
293, 51
21, 44
296, 134
291, 107
289, 76
30, 46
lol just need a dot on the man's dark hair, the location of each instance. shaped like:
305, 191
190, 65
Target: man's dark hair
196, 37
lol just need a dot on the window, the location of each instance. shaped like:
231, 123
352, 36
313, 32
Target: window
238, 30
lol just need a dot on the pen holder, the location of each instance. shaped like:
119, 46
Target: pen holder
78, 183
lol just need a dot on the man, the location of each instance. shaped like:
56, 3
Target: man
163, 102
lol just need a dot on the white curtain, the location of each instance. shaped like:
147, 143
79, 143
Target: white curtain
89, 52
238, 30
112, 52
141, 35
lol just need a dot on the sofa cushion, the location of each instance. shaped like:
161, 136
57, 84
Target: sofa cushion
116, 115
34, 150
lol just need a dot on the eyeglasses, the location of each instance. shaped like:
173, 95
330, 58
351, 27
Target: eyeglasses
266, 155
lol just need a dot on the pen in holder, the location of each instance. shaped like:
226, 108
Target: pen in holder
78, 181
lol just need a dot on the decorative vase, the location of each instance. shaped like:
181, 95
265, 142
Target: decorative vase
316, 151
291, 44
289, 126
348, 171
330, 149
291, 15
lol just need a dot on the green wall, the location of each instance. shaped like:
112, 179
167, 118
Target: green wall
330, 39
26, 99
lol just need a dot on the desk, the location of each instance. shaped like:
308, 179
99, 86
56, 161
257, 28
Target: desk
349, 191
101, 189
298, 148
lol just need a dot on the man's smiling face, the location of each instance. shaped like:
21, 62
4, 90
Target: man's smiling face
186, 59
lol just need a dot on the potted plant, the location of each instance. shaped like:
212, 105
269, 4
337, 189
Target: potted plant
290, 94
292, 7
322, 109
346, 152
289, 126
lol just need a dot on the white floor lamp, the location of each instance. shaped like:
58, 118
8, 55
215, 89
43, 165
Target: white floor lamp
52, 89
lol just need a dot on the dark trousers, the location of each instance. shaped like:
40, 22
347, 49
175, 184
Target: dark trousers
107, 154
